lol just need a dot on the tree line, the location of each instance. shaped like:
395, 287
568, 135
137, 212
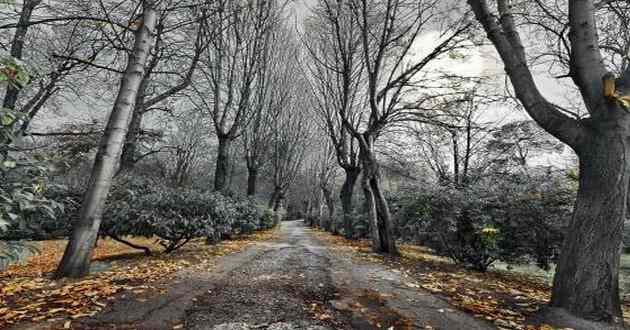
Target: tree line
239, 86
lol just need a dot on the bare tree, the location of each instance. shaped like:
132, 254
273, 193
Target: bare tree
336, 69
292, 131
586, 282
387, 31
172, 47
269, 98
78, 253
232, 62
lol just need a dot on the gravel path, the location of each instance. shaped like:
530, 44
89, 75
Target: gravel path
293, 282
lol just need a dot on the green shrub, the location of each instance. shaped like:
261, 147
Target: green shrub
512, 221
267, 219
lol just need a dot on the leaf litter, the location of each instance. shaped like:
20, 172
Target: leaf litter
28, 293
504, 298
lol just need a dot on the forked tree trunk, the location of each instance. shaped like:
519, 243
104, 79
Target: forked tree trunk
347, 190
78, 253
378, 211
370, 206
130, 148
586, 281
221, 172
252, 179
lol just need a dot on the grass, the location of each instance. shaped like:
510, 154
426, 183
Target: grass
547, 276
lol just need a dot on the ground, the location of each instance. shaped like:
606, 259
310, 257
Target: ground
291, 278
292, 282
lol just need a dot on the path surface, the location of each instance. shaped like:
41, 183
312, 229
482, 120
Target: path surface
293, 282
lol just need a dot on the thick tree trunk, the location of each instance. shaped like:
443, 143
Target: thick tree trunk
76, 258
386, 225
378, 211
252, 179
586, 281
347, 190
223, 164
370, 206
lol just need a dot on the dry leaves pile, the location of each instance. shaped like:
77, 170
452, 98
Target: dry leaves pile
506, 299
27, 292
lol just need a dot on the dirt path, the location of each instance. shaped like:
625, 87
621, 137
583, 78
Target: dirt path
294, 282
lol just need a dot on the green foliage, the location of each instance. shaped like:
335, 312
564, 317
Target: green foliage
513, 221
267, 220
141, 207
23, 178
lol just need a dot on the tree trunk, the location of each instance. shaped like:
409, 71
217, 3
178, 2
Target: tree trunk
330, 204
386, 226
223, 164
347, 190
128, 158
455, 159
379, 216
78, 253
279, 201
17, 49
272, 200
370, 205
586, 282
252, 178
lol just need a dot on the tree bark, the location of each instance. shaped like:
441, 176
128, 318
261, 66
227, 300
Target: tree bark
330, 205
128, 158
586, 281
378, 211
252, 178
223, 164
17, 49
347, 190
78, 253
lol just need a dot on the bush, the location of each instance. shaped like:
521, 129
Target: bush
513, 221
267, 220
139, 206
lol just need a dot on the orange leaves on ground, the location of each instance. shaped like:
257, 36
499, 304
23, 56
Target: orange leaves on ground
505, 299
27, 292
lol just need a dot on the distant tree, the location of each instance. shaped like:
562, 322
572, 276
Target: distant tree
514, 144
387, 32
231, 64
336, 70
268, 100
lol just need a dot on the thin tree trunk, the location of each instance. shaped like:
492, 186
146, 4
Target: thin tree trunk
455, 159
272, 200
330, 204
78, 253
128, 158
347, 190
17, 49
223, 164
586, 282
252, 178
